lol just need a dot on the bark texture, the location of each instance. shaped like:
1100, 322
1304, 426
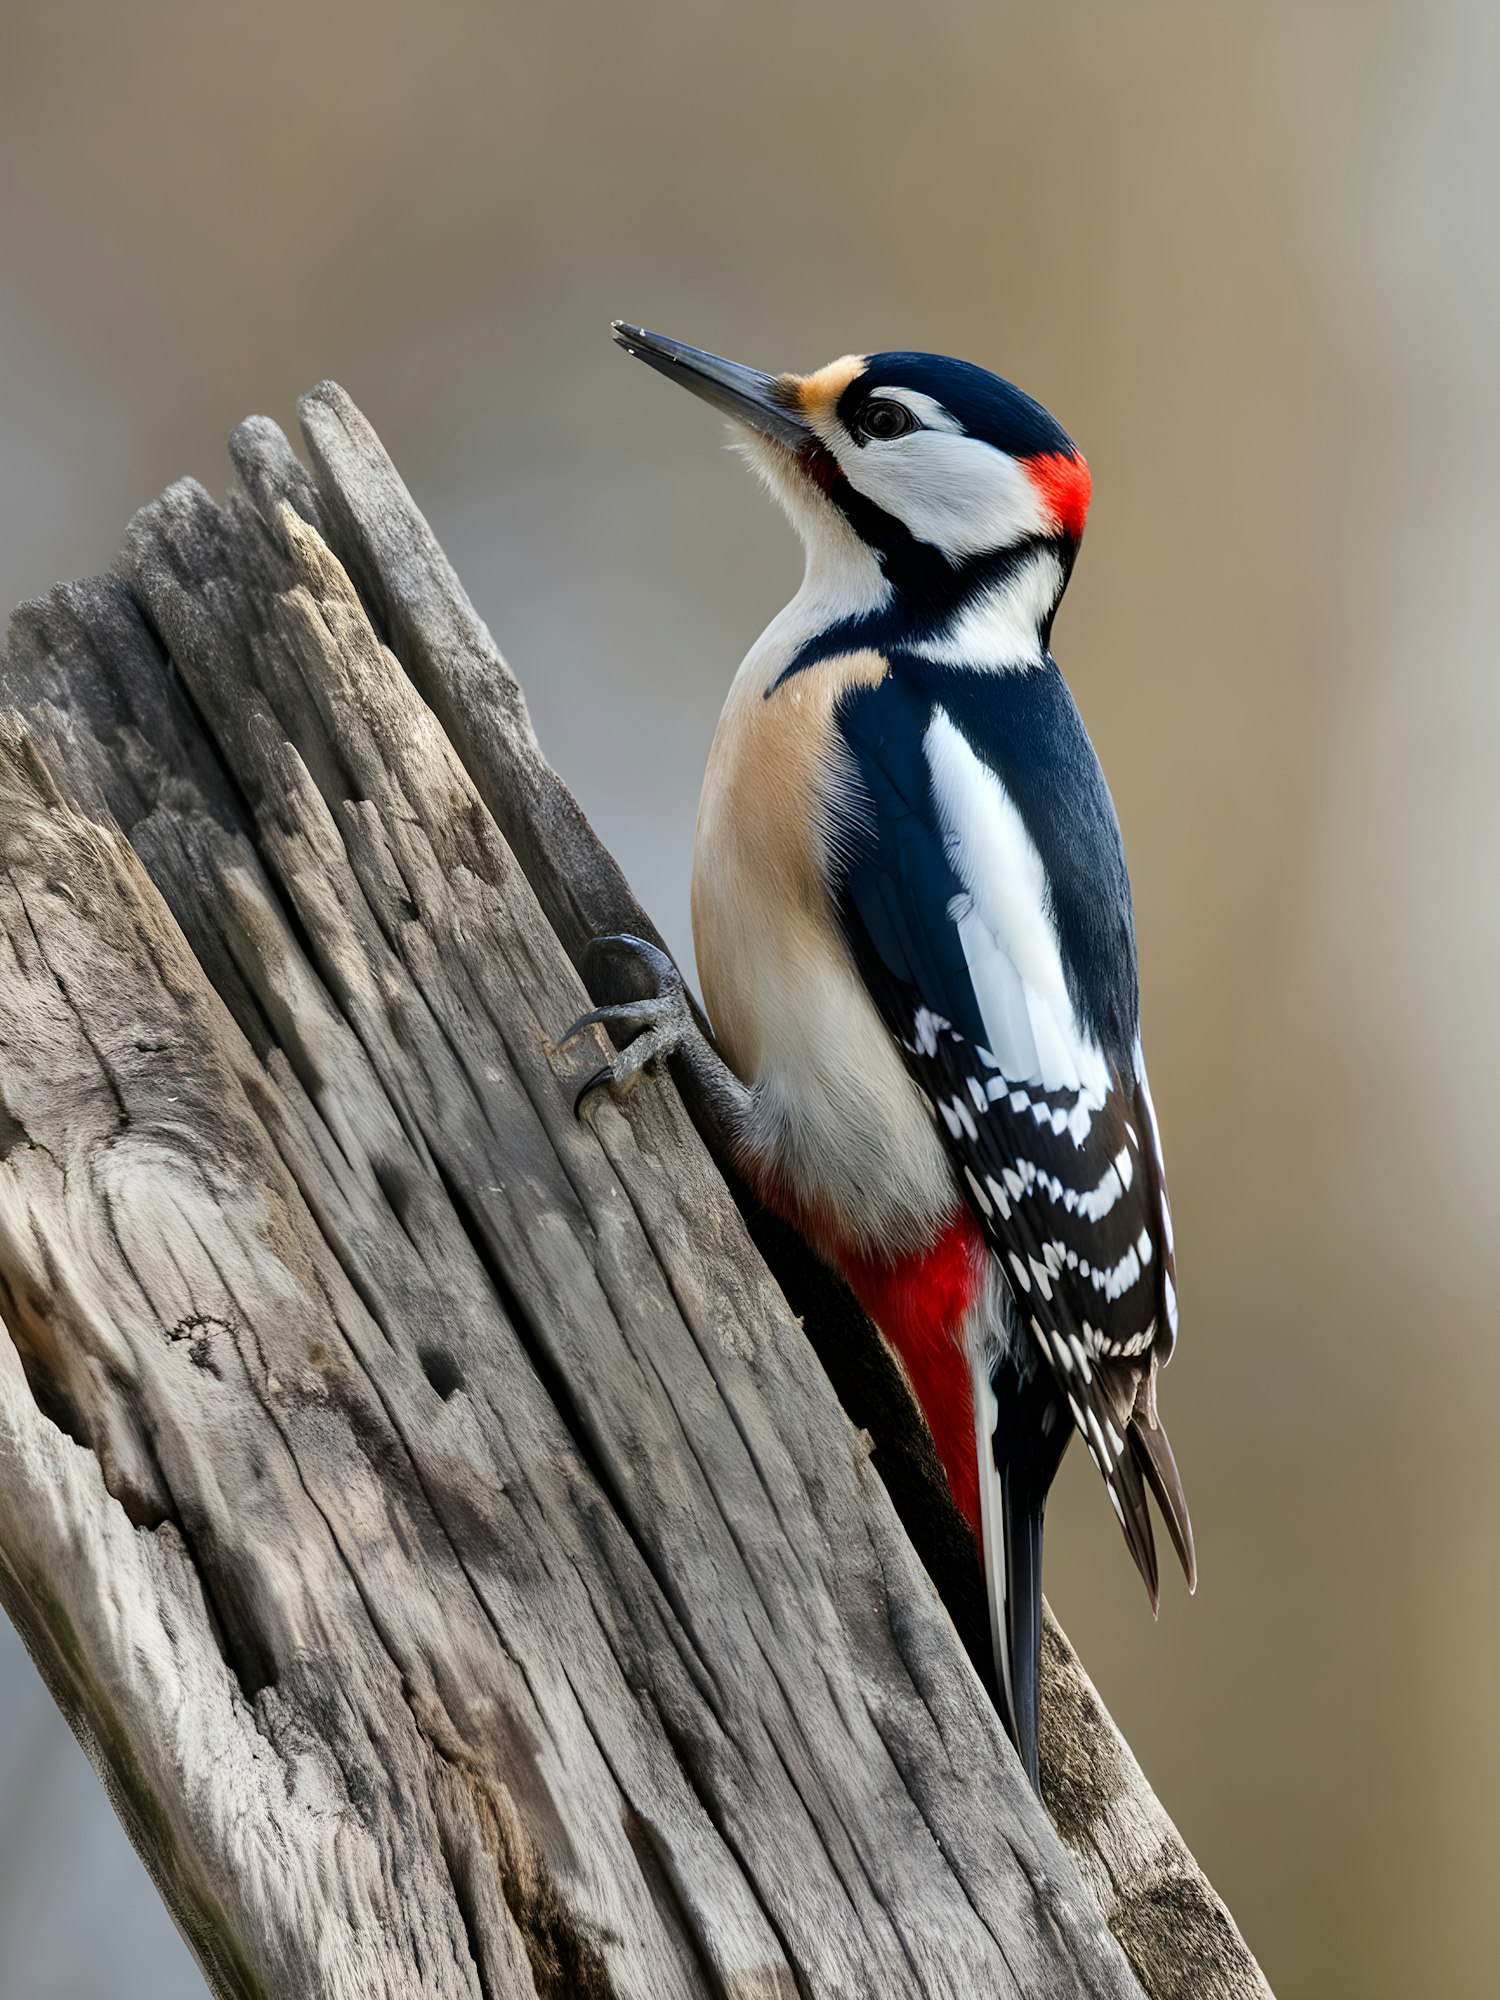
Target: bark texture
426, 1507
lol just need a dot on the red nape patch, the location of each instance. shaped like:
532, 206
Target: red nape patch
919, 1303
1065, 485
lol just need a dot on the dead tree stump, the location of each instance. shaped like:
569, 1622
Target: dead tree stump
425, 1507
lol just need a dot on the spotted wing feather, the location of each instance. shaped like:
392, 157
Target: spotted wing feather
1073, 1244
1062, 1170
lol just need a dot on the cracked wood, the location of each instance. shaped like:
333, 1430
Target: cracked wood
425, 1507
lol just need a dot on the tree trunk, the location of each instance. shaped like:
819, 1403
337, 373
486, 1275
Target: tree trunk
424, 1505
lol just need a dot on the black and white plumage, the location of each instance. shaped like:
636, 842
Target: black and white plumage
995, 936
915, 933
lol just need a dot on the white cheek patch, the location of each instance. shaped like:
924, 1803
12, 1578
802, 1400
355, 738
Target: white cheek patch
964, 497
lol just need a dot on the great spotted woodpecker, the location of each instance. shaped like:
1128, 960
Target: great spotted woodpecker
914, 931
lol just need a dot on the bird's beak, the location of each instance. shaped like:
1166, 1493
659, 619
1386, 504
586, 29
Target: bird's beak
761, 401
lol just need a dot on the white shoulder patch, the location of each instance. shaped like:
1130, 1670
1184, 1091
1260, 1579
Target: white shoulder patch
1009, 943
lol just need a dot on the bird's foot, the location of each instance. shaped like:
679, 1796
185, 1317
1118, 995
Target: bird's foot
669, 1026
665, 1019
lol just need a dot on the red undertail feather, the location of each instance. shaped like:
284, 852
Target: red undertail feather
919, 1303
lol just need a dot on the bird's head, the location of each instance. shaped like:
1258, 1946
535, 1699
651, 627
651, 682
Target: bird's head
954, 486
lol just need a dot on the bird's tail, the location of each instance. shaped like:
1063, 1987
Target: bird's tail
1020, 1436
1153, 1454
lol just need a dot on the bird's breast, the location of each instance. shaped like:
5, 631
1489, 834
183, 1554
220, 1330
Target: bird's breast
840, 1137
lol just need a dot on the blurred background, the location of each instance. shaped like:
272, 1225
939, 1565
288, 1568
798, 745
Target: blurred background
1247, 255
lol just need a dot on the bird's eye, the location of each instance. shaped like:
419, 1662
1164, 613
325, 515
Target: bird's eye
885, 420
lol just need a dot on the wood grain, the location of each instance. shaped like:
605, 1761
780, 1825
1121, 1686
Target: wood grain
426, 1507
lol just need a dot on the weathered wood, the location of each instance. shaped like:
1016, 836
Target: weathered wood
1175, 1929
424, 1506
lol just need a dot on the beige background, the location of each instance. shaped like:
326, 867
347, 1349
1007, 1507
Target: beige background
1247, 255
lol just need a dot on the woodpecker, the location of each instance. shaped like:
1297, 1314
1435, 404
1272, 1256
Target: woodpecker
914, 933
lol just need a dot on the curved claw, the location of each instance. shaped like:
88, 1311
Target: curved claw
663, 1007
664, 1017
591, 1084
628, 1064
584, 1021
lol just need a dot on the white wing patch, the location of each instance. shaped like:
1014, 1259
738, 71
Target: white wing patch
1009, 943
1036, 1115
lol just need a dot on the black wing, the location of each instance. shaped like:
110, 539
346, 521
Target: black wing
948, 910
